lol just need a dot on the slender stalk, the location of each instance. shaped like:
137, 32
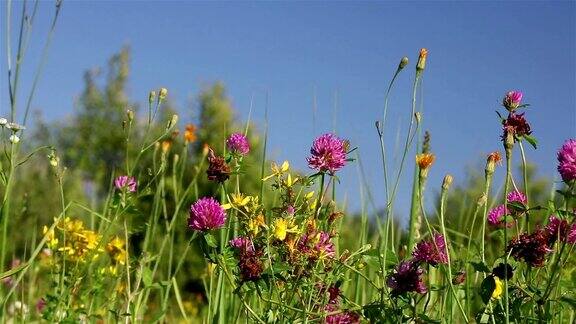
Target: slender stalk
526, 189
414, 206
508, 144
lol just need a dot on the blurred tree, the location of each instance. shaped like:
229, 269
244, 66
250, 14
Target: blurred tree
93, 142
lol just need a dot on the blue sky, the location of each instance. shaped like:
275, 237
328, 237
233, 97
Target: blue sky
343, 52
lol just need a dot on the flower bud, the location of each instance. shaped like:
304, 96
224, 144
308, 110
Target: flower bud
422, 59
14, 139
494, 158
482, 201
152, 97
163, 94
447, 182
512, 100
403, 63
172, 121
130, 115
379, 128
418, 117
3, 121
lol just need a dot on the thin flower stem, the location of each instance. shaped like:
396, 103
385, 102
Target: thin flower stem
422, 181
508, 149
412, 221
486, 194
526, 189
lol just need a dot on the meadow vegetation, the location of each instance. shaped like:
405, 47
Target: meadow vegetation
124, 213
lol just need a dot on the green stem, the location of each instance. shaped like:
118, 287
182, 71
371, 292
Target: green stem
526, 192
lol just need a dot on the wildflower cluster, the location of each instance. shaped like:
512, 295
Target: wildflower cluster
74, 242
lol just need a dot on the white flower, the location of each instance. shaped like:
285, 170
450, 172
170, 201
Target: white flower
3, 121
14, 139
17, 307
15, 127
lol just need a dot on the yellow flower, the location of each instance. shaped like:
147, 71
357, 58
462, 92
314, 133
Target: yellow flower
116, 250
497, 293
282, 227
255, 223
51, 239
309, 195
278, 170
290, 181
238, 200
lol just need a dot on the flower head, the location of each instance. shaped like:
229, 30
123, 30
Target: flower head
531, 248
125, 183
343, 317
238, 143
421, 64
516, 196
497, 217
406, 277
218, 170
515, 125
559, 229
431, 251
512, 100
513, 199
190, 133
206, 214
571, 239
116, 250
567, 161
425, 160
14, 139
328, 154
317, 245
242, 244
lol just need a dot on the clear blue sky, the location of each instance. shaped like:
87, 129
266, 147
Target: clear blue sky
477, 51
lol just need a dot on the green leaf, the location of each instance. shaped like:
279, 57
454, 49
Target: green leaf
147, 276
532, 140
487, 288
210, 240
480, 267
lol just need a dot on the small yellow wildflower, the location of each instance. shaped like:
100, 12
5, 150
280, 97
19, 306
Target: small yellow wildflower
238, 200
280, 227
255, 223
116, 250
51, 239
278, 170
497, 293
290, 181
